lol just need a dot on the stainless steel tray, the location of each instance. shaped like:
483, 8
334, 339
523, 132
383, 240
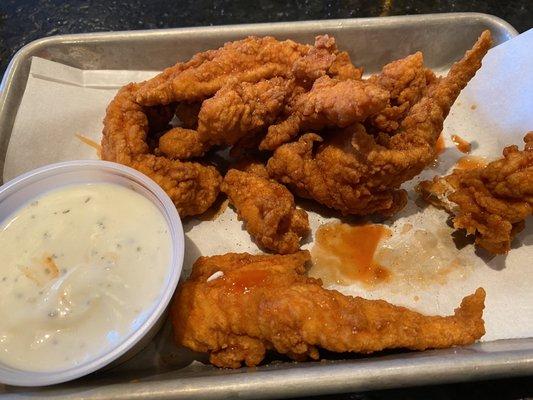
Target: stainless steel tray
158, 373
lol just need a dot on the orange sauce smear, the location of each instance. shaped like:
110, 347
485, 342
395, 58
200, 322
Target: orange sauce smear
246, 281
462, 145
471, 162
343, 254
91, 143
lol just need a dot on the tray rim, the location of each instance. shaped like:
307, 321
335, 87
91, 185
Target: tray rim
479, 361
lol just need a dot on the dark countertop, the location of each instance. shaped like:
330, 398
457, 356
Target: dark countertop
22, 21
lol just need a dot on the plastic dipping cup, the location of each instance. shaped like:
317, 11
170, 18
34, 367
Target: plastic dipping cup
22, 189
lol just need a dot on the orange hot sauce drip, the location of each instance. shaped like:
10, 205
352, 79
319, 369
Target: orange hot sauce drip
354, 247
470, 162
462, 145
244, 282
440, 146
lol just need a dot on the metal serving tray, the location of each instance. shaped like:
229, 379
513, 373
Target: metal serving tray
371, 42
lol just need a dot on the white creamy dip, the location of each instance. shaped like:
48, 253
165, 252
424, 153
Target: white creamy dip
81, 268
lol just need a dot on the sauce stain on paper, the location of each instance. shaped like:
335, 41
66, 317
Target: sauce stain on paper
462, 145
344, 254
470, 162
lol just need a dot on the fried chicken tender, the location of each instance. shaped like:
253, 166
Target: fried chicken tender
490, 202
353, 173
266, 302
324, 58
193, 187
407, 81
252, 166
267, 209
248, 60
237, 110
342, 68
330, 103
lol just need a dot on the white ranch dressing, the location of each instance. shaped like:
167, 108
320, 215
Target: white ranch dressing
81, 268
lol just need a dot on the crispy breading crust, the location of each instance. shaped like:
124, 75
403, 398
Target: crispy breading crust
266, 302
355, 172
247, 60
193, 187
267, 209
490, 202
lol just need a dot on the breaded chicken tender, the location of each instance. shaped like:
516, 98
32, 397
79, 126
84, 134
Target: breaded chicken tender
355, 172
237, 110
407, 81
238, 306
248, 60
324, 58
193, 187
267, 209
329, 103
490, 202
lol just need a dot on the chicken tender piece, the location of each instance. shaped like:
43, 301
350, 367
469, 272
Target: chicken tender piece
237, 110
490, 202
181, 144
322, 59
330, 103
193, 187
352, 172
407, 81
342, 68
267, 209
256, 303
248, 60
336, 173
252, 166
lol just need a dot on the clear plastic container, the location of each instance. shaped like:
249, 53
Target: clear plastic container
22, 189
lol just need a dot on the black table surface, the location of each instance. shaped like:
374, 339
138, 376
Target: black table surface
22, 21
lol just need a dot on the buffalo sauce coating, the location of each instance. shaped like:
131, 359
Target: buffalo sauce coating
462, 145
244, 282
344, 254
470, 162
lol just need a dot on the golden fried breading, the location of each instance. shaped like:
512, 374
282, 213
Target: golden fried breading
237, 110
193, 187
329, 103
353, 173
252, 166
267, 209
258, 302
342, 68
181, 144
248, 60
336, 173
317, 61
407, 82
324, 58
490, 202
